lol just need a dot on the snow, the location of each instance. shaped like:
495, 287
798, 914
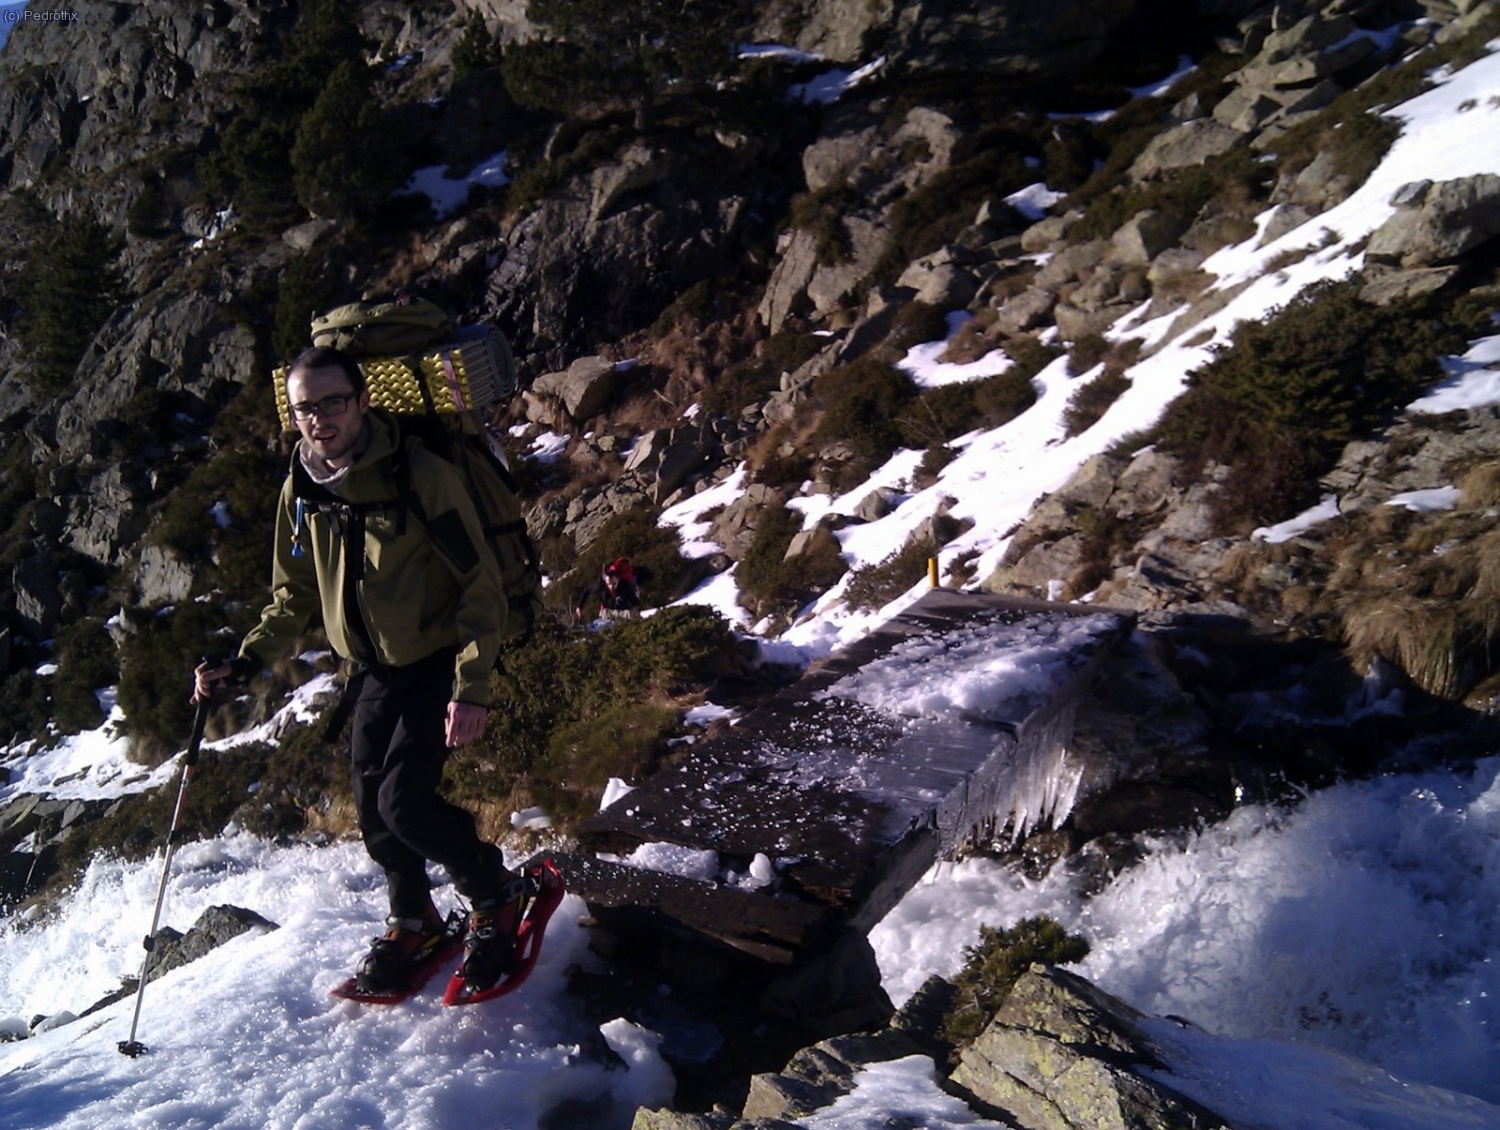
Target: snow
1360, 922
447, 192
1327, 507
1473, 381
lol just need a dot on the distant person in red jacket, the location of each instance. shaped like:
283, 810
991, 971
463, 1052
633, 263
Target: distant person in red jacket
617, 591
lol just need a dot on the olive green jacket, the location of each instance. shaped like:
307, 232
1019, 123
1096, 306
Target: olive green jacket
420, 586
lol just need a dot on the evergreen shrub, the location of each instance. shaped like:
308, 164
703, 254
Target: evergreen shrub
771, 583
862, 403
567, 697
875, 586
995, 963
70, 288
1278, 404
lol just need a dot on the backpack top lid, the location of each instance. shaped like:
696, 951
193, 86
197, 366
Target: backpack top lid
380, 329
621, 567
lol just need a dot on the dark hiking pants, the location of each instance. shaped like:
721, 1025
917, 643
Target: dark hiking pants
397, 748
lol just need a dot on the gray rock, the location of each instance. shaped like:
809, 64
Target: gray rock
1027, 310
215, 926
38, 597
943, 285
161, 577
1043, 234
829, 160
1189, 144
1436, 224
1143, 237
1063, 1055
583, 388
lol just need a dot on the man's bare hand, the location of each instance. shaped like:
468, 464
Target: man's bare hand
465, 723
204, 678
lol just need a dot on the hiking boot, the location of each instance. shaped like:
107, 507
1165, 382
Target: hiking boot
395, 957
490, 946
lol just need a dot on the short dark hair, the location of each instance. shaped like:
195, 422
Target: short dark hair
327, 357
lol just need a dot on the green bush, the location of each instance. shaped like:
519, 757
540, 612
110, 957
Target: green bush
631, 50
1278, 404
581, 758
773, 584
995, 964
558, 687
1236, 180
652, 548
70, 289
862, 403
309, 285
477, 50
246, 484
253, 164
1090, 402
946, 412
139, 825
877, 585
346, 158
86, 662
932, 215
156, 668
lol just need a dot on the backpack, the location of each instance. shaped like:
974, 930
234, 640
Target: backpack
496, 496
433, 379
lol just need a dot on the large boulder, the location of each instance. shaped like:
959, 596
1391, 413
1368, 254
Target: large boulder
1436, 224
1062, 1054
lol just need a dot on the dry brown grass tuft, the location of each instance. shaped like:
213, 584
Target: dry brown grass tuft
1480, 485
1430, 604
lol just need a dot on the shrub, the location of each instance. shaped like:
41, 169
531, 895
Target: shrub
156, 665
581, 758
861, 405
654, 549
346, 156
254, 163
770, 582
933, 214
877, 585
140, 823
995, 964
86, 662
70, 289
1090, 402
1279, 403
562, 689
476, 49
238, 489
1236, 180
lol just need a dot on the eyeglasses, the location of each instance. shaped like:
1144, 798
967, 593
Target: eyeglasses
326, 408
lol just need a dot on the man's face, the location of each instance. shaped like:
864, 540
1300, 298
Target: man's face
330, 431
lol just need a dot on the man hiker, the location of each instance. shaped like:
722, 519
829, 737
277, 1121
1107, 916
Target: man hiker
419, 607
616, 590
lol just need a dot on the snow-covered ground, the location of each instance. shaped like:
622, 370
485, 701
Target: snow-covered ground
1364, 922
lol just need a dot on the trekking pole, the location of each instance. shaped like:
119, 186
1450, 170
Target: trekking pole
131, 1046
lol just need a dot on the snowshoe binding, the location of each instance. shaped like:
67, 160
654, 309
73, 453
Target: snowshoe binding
504, 941
402, 960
